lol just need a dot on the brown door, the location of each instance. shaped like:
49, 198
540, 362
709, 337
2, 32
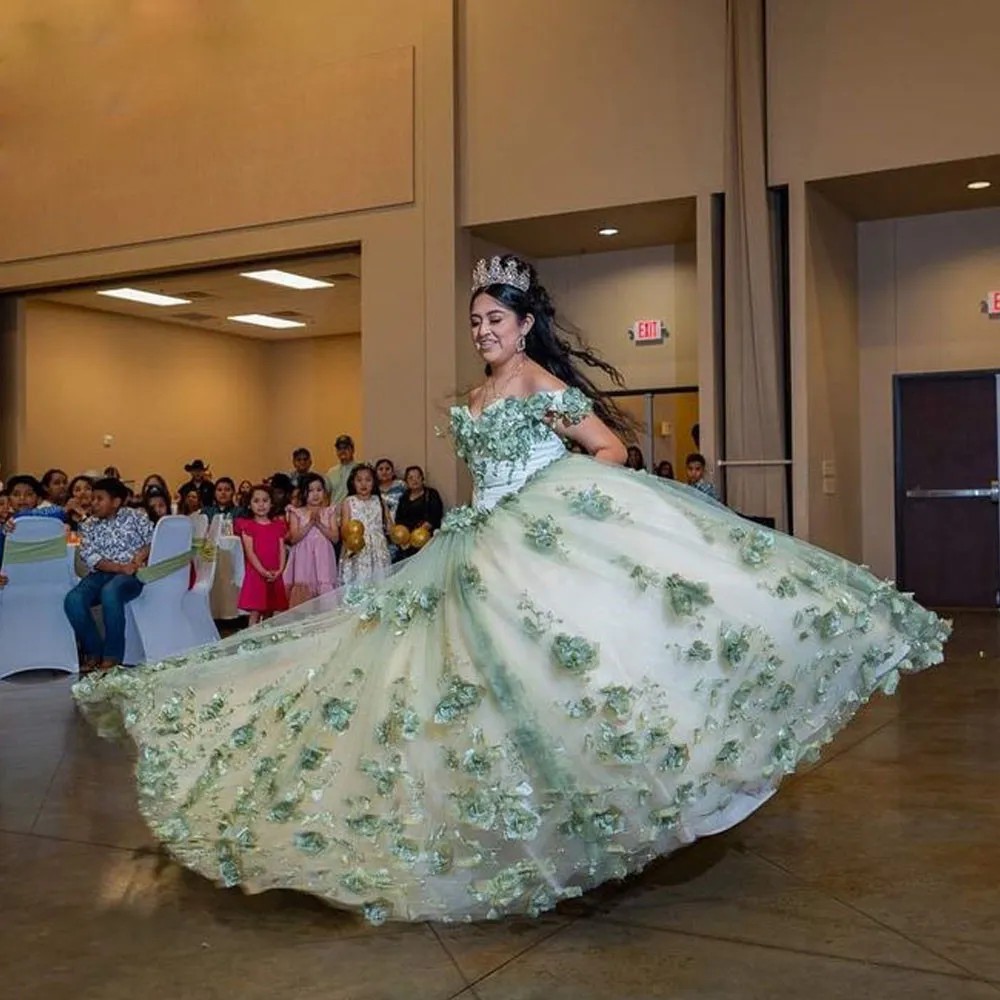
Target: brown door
947, 509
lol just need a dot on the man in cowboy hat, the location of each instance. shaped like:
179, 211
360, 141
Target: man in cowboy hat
199, 481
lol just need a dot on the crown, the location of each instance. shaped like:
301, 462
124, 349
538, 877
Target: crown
495, 272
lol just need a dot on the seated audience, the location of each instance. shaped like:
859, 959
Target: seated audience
154, 480
696, 475
634, 459
224, 502
419, 506
114, 546
81, 496
199, 480
55, 488
243, 494
665, 470
155, 503
190, 501
25, 497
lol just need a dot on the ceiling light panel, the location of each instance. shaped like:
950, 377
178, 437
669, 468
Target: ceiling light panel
146, 298
271, 322
286, 279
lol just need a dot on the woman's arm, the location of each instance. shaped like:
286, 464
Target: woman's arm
435, 508
593, 435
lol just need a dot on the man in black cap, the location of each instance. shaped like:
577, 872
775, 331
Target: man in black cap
336, 478
199, 481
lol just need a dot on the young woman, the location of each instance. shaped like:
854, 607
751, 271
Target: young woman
585, 669
419, 507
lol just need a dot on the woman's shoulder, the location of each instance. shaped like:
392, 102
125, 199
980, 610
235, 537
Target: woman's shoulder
539, 380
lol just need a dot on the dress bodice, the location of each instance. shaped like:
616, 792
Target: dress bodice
512, 439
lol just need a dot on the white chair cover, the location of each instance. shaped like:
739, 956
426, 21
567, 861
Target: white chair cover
197, 601
156, 623
34, 630
199, 524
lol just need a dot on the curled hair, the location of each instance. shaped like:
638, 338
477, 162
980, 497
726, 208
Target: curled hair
558, 347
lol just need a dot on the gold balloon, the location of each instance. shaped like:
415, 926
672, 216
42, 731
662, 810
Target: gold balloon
400, 535
419, 537
354, 536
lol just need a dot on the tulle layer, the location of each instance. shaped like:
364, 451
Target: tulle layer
601, 669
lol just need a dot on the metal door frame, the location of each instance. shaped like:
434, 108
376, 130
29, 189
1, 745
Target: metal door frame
899, 490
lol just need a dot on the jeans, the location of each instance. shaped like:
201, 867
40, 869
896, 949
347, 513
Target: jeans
112, 591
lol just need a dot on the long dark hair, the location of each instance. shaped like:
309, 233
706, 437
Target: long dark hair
557, 346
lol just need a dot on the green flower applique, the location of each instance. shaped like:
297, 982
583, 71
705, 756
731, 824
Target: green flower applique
574, 653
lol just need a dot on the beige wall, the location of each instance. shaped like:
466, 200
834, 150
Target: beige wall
168, 393
604, 294
830, 406
922, 281
568, 104
235, 191
195, 113
862, 85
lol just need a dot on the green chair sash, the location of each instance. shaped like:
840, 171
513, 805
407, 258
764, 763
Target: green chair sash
49, 549
150, 574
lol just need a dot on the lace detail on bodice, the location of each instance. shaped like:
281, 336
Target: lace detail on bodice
512, 439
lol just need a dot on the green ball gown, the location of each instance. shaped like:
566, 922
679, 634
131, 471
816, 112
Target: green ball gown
586, 669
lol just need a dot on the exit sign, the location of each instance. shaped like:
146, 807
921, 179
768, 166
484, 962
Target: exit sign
993, 303
647, 331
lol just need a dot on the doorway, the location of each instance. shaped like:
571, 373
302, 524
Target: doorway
947, 448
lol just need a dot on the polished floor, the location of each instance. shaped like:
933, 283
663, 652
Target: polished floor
876, 873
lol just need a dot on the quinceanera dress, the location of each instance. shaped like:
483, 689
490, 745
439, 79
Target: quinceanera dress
587, 668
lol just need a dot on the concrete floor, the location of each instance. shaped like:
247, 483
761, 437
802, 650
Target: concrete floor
876, 873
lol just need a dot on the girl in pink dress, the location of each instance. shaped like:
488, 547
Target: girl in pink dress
263, 590
312, 533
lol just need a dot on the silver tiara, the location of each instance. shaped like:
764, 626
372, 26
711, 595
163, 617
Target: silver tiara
495, 272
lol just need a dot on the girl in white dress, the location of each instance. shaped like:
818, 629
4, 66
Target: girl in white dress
363, 503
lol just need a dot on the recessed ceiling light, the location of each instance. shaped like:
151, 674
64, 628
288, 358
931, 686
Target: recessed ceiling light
607, 231
271, 322
146, 298
287, 279
978, 185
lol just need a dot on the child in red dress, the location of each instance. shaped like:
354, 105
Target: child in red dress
263, 590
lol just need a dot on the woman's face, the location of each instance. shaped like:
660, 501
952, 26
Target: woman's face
414, 480
363, 483
157, 507
386, 473
496, 330
315, 494
191, 502
58, 488
83, 494
634, 458
223, 494
245, 487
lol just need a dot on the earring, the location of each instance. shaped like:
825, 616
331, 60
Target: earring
522, 343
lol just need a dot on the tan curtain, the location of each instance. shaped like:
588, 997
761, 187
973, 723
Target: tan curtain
754, 389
